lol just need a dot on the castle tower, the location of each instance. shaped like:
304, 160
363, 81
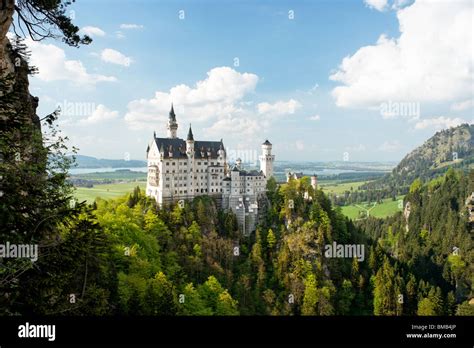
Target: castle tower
314, 181
238, 163
190, 143
172, 124
267, 159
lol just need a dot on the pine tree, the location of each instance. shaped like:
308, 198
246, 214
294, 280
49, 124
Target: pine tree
311, 296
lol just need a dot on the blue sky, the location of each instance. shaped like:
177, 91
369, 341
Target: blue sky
314, 77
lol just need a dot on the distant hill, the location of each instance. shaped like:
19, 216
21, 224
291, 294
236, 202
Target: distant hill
453, 147
92, 162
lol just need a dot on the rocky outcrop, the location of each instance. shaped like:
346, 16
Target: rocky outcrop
15, 99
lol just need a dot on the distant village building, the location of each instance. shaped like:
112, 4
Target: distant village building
181, 169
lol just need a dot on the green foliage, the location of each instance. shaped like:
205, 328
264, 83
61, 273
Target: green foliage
311, 296
136, 258
426, 307
415, 187
465, 309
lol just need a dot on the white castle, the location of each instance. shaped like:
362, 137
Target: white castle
181, 169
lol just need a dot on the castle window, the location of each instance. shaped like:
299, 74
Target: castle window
172, 163
199, 163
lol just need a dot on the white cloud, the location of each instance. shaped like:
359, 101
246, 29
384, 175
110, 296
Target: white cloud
100, 114
215, 97
314, 118
439, 123
464, 105
378, 5
431, 60
233, 125
53, 65
131, 26
390, 146
93, 31
115, 57
279, 108
119, 35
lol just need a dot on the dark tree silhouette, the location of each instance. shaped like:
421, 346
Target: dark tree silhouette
40, 19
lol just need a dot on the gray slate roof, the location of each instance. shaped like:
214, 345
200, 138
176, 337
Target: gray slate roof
178, 147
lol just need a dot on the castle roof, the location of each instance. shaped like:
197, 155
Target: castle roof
267, 142
177, 147
247, 172
253, 173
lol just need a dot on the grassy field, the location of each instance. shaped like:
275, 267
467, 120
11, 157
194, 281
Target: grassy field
340, 188
115, 175
106, 191
386, 208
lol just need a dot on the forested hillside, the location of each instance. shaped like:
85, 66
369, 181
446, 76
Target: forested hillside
127, 256
449, 148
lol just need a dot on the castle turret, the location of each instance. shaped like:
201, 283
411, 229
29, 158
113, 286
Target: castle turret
238, 163
190, 143
267, 159
172, 124
314, 181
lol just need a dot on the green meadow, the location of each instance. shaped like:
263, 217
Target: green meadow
338, 187
386, 208
106, 191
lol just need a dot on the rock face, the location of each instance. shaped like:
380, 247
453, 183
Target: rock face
406, 214
15, 98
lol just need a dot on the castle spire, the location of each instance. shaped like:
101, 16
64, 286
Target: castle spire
172, 115
172, 124
190, 134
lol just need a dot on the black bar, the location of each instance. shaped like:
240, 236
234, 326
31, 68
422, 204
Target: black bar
242, 330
